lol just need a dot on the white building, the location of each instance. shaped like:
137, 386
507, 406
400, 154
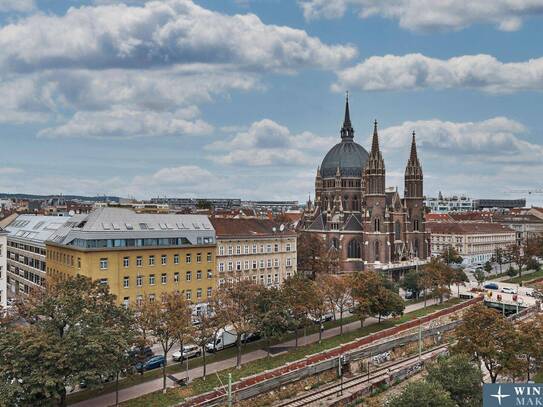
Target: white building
475, 242
3, 268
446, 204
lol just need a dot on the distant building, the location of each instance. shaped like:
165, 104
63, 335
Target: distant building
256, 249
194, 203
138, 254
273, 206
446, 204
525, 225
476, 242
3, 268
498, 203
26, 269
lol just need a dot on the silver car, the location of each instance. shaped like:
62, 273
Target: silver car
187, 352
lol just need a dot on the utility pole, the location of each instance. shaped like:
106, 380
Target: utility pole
229, 389
420, 341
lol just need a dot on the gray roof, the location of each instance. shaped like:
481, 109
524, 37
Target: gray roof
34, 228
123, 223
349, 156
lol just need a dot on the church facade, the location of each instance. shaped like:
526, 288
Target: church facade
370, 226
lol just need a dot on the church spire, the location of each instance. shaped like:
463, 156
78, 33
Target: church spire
413, 173
413, 156
375, 140
347, 131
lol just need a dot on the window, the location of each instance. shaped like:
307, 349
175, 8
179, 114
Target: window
126, 261
151, 298
79, 262
254, 248
126, 302
230, 266
139, 281
103, 281
188, 258
269, 263
139, 261
175, 259
230, 251
261, 264
416, 225
238, 265
269, 279
199, 293
289, 262
238, 249
189, 276
269, 247
163, 278
151, 279
353, 249
376, 251
163, 259
209, 257
199, 275
198, 257
376, 225
246, 265
188, 294
209, 274
221, 267
397, 231
246, 249
262, 279
176, 277
276, 247
275, 262
254, 264
209, 290
139, 299
276, 278
103, 264
261, 248
126, 281
221, 250
151, 260
287, 247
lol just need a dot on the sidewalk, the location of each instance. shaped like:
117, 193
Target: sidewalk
156, 384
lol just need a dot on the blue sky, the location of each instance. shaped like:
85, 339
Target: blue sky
243, 98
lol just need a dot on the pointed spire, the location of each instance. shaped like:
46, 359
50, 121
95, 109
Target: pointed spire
347, 131
413, 156
375, 140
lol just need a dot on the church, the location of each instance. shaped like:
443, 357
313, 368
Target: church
370, 226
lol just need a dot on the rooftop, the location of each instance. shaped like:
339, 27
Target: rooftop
36, 228
471, 228
249, 227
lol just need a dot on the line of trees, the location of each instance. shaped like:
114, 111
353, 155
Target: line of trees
73, 331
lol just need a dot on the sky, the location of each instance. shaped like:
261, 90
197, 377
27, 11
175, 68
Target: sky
243, 98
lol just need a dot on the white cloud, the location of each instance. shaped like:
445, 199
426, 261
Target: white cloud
427, 15
159, 33
267, 143
124, 123
17, 6
493, 141
416, 71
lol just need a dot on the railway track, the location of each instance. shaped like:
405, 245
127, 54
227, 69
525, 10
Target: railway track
381, 372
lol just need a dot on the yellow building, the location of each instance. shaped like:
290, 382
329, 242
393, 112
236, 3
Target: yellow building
138, 254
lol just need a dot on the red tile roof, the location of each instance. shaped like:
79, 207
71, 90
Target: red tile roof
226, 227
466, 228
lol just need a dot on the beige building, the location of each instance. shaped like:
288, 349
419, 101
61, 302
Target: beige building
476, 242
256, 249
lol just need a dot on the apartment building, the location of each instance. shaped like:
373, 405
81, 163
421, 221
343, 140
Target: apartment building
26, 251
475, 242
3, 268
138, 254
257, 249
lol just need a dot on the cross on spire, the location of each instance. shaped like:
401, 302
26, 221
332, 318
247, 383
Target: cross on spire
413, 155
375, 140
347, 131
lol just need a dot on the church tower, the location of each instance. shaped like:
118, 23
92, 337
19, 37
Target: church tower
375, 202
414, 203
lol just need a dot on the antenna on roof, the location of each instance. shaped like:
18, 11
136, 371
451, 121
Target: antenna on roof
282, 227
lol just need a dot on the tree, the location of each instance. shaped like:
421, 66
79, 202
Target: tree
436, 276
488, 267
422, 393
459, 376
317, 307
411, 281
486, 336
74, 332
237, 307
337, 293
459, 278
530, 344
297, 296
451, 255
272, 314
315, 256
500, 257
518, 256
208, 325
203, 204
386, 302
168, 321
479, 276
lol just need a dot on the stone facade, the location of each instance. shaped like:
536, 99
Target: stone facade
355, 214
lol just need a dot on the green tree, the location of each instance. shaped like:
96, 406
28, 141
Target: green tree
479, 276
517, 254
297, 296
530, 345
337, 293
315, 256
450, 255
459, 376
486, 336
74, 333
500, 257
422, 393
411, 281
488, 267
459, 278
273, 317
206, 330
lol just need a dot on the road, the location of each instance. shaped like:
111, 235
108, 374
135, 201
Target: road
156, 384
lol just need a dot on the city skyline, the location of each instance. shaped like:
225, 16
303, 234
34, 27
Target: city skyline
244, 98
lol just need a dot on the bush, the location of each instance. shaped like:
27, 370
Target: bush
511, 272
533, 264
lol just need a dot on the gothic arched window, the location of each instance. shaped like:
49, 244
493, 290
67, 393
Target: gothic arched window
397, 231
416, 248
334, 243
376, 225
353, 249
356, 206
416, 225
376, 251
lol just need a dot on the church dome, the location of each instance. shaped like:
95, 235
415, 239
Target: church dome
349, 156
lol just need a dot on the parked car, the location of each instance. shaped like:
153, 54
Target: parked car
324, 318
491, 286
136, 353
187, 352
153, 363
508, 290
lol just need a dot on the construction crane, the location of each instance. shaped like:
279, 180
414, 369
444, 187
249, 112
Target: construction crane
524, 191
